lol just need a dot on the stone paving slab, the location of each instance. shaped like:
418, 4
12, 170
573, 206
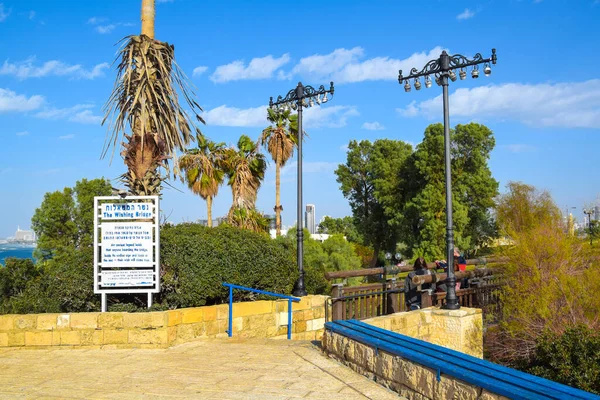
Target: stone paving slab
208, 369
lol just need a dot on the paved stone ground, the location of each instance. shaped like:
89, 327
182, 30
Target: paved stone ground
211, 369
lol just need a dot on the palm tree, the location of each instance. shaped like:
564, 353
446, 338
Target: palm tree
245, 167
145, 99
204, 171
279, 139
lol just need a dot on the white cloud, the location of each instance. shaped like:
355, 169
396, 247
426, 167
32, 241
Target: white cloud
96, 20
31, 14
26, 69
518, 148
11, 101
103, 29
4, 13
86, 117
199, 70
564, 105
373, 126
465, 14
24, 133
314, 117
343, 65
329, 117
232, 116
80, 113
258, 68
66, 137
106, 28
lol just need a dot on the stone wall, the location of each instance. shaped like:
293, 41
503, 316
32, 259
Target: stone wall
409, 379
460, 330
261, 319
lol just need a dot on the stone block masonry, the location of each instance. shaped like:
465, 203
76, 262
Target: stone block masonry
460, 330
255, 319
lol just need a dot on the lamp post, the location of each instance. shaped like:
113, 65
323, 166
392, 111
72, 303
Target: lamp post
443, 68
589, 212
297, 99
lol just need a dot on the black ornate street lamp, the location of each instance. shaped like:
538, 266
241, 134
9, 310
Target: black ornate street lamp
297, 99
443, 68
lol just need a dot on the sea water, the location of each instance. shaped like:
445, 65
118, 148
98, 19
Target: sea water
17, 250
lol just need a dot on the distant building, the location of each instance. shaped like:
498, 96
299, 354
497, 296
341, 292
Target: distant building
310, 219
215, 222
273, 232
597, 213
24, 236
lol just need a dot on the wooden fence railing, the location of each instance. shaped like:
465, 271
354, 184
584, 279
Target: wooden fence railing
375, 299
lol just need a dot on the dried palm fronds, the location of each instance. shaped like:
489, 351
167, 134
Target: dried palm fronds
145, 99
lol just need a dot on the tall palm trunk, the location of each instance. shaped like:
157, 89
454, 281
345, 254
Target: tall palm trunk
148, 18
277, 199
209, 210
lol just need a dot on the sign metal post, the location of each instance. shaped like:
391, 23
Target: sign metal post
126, 246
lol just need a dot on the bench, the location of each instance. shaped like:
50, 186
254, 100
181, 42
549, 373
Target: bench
449, 363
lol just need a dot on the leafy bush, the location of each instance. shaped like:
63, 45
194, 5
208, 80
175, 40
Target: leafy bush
550, 283
17, 279
196, 260
572, 358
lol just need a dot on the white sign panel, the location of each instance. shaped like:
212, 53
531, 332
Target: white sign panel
127, 278
126, 244
112, 211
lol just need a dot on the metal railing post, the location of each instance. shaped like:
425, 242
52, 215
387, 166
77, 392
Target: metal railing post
290, 299
289, 330
230, 329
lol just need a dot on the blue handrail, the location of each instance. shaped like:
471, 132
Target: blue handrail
231, 286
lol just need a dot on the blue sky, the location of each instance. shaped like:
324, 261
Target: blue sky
542, 100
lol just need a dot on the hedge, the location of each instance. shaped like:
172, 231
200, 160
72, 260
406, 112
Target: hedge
196, 260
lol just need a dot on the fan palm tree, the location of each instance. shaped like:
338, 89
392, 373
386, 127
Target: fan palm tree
279, 139
245, 168
203, 168
145, 100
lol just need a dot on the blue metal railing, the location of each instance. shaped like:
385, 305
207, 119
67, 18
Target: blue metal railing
281, 296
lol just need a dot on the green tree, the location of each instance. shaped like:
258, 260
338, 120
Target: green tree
341, 254
475, 187
473, 190
245, 168
342, 226
280, 139
523, 208
204, 170
66, 218
371, 182
64, 225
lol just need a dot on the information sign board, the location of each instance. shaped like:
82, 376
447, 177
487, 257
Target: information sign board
126, 245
